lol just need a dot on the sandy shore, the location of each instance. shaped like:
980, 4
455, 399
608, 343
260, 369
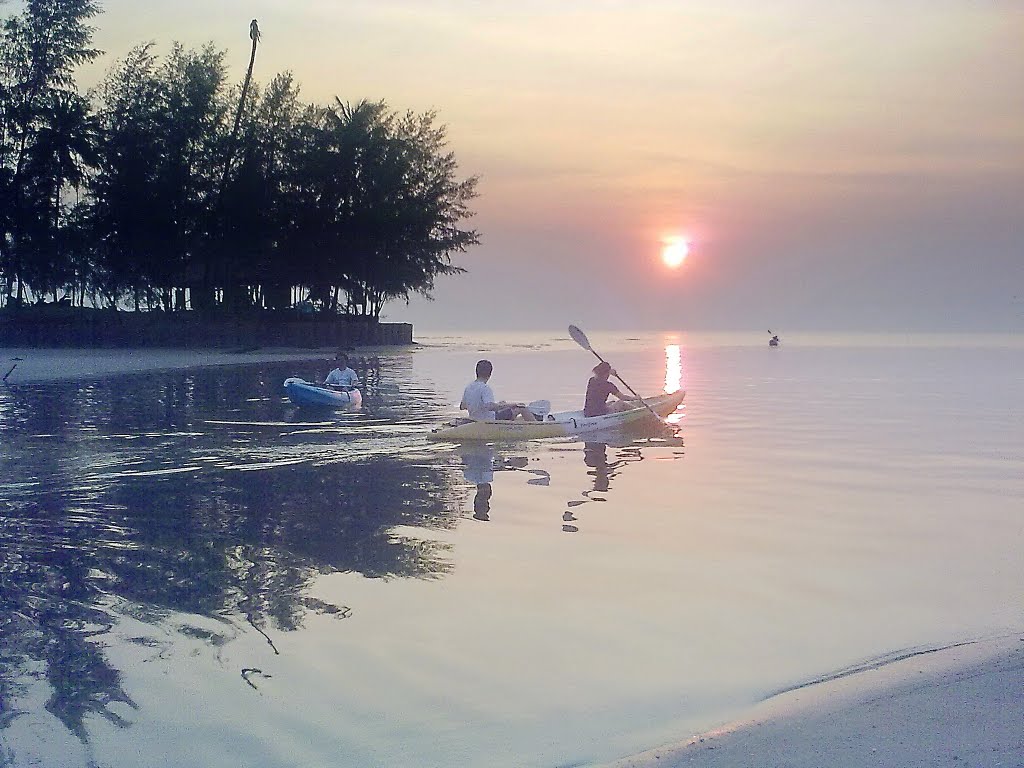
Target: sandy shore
34, 366
957, 706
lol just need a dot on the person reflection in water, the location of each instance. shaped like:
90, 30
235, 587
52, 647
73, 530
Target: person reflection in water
478, 468
595, 456
479, 465
482, 502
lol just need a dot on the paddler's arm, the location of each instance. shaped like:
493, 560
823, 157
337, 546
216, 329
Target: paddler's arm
622, 396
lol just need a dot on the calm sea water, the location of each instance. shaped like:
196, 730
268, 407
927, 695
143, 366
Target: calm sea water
193, 572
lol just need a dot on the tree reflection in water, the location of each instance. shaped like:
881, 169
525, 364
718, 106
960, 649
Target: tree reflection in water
84, 541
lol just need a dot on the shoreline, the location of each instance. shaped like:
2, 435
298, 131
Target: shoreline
45, 365
961, 704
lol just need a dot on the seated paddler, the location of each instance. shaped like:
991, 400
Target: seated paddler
478, 399
342, 376
599, 388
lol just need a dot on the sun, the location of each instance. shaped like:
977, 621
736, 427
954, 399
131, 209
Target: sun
674, 252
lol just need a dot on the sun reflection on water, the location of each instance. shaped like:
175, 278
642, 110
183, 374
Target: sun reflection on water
674, 377
673, 368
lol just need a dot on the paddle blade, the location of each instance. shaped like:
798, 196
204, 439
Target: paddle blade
580, 337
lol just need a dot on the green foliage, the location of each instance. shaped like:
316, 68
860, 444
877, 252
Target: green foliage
45, 137
143, 188
160, 138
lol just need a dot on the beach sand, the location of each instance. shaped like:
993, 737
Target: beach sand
35, 366
956, 706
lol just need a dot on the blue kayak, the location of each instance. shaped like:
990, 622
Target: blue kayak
302, 392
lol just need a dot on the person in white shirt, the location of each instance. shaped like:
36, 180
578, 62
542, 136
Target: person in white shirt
342, 376
478, 399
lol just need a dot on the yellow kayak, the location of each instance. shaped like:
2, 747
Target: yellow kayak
565, 424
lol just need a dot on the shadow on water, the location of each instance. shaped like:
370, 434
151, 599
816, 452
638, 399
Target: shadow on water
137, 497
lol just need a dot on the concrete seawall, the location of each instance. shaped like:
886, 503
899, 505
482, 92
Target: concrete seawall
75, 327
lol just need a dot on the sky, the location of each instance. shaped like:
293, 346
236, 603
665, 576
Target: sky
833, 165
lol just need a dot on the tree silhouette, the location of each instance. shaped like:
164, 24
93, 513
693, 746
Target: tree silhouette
352, 204
41, 136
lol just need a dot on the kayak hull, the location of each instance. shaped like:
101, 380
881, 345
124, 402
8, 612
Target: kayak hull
303, 392
567, 424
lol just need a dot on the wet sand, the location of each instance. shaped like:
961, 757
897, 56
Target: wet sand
34, 366
957, 706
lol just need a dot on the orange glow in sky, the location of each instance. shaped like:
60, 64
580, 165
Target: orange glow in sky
782, 161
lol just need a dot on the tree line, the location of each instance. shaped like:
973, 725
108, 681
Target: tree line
167, 186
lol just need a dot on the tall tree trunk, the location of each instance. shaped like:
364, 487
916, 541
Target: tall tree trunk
254, 35
230, 289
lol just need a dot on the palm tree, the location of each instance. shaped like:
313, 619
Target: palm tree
232, 291
65, 146
254, 35
40, 50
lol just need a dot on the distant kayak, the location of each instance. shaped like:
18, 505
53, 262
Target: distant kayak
303, 392
773, 342
565, 424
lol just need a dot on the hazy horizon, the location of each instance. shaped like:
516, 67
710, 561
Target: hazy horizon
834, 166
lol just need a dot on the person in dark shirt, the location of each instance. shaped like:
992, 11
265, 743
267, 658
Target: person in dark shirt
598, 390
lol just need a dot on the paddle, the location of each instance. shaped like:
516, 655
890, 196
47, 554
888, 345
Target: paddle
581, 338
